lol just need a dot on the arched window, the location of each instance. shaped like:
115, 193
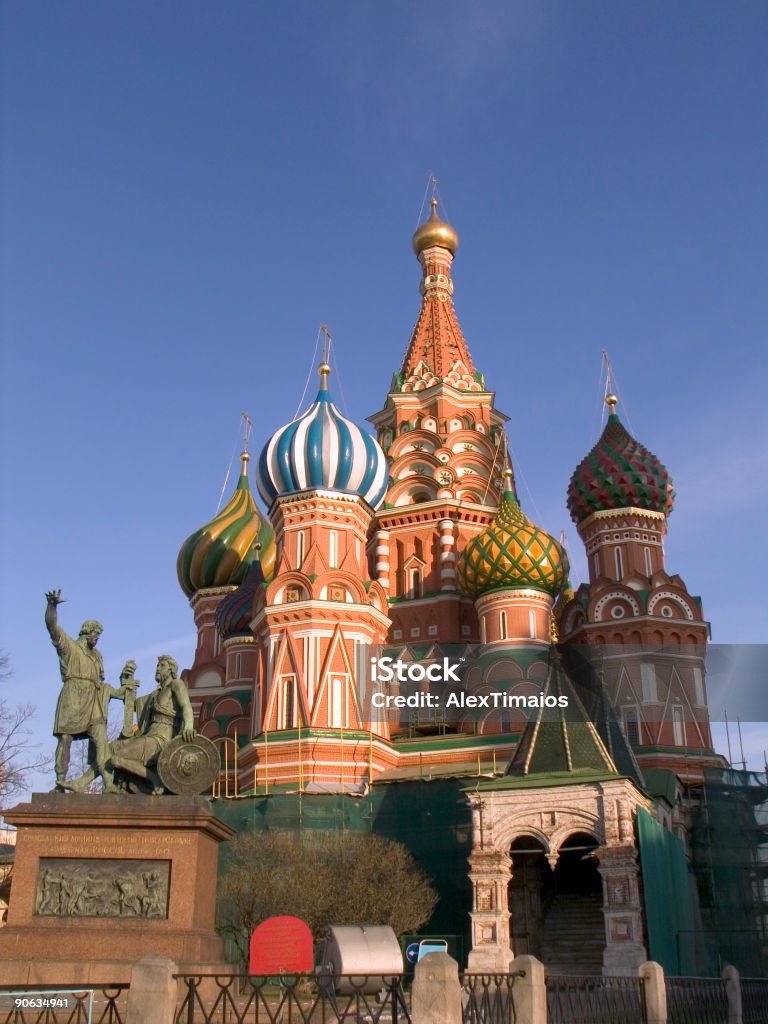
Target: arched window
414, 589
619, 562
503, 625
648, 563
287, 708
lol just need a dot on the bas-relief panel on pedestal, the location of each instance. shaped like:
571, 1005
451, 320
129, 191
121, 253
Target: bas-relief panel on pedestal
77, 887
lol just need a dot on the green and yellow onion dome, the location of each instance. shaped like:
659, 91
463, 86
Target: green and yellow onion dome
619, 472
220, 553
512, 553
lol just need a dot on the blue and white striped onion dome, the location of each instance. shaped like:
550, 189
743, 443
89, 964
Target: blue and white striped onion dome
322, 449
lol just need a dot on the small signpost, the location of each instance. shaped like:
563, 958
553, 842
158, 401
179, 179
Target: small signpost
412, 952
281, 945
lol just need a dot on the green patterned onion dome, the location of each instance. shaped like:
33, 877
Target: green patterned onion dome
220, 553
619, 472
512, 553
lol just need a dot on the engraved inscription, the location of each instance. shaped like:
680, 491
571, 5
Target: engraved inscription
78, 887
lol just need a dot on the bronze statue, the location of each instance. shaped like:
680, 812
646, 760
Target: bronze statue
163, 714
160, 754
81, 712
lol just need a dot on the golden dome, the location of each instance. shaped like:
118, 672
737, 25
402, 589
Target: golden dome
435, 232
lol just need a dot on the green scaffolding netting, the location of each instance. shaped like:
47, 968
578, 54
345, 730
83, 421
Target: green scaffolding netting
668, 895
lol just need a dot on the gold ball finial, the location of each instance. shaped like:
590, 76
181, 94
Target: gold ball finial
245, 458
324, 369
611, 401
435, 232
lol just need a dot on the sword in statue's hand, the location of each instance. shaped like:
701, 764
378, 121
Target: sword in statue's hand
129, 686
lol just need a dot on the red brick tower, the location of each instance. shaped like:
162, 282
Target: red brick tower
321, 477
444, 440
651, 630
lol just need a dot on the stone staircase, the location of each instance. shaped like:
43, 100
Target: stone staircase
574, 935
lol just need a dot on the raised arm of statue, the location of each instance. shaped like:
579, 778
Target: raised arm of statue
54, 598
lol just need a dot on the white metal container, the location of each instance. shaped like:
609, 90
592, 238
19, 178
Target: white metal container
371, 953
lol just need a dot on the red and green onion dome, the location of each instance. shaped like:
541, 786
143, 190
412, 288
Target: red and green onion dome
235, 611
512, 553
618, 473
220, 553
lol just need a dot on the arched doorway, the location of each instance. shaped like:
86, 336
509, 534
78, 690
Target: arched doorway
574, 929
530, 891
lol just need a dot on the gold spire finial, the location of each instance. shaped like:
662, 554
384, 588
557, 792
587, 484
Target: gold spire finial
507, 480
609, 397
245, 458
325, 367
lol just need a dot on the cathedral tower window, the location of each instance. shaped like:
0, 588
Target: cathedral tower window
648, 562
631, 725
648, 679
678, 726
414, 589
333, 549
299, 548
532, 623
619, 558
503, 625
698, 686
336, 716
287, 709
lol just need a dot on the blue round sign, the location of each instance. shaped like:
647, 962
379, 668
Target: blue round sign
412, 952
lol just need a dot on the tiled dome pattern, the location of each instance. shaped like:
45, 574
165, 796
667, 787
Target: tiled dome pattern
619, 472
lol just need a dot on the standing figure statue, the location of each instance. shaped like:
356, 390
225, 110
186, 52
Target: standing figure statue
162, 715
81, 712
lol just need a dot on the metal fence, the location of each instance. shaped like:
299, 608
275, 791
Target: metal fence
58, 1004
488, 999
754, 1000
290, 999
582, 999
696, 1001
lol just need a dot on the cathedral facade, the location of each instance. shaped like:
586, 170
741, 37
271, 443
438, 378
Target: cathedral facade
410, 541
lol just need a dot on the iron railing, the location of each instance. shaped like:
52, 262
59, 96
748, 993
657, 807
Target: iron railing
754, 1000
291, 999
696, 1001
582, 999
60, 1004
488, 998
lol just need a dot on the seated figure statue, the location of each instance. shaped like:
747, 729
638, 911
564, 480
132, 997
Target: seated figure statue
162, 715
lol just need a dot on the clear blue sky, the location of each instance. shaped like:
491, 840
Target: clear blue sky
189, 189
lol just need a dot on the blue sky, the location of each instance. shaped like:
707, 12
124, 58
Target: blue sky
189, 189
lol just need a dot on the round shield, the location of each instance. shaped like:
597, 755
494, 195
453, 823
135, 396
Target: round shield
188, 768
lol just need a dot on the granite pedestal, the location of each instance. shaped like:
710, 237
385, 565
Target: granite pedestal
101, 881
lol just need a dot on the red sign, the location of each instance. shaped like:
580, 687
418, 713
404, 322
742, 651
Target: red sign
281, 945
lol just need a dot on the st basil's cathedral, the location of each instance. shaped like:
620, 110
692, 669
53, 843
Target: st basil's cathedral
411, 541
